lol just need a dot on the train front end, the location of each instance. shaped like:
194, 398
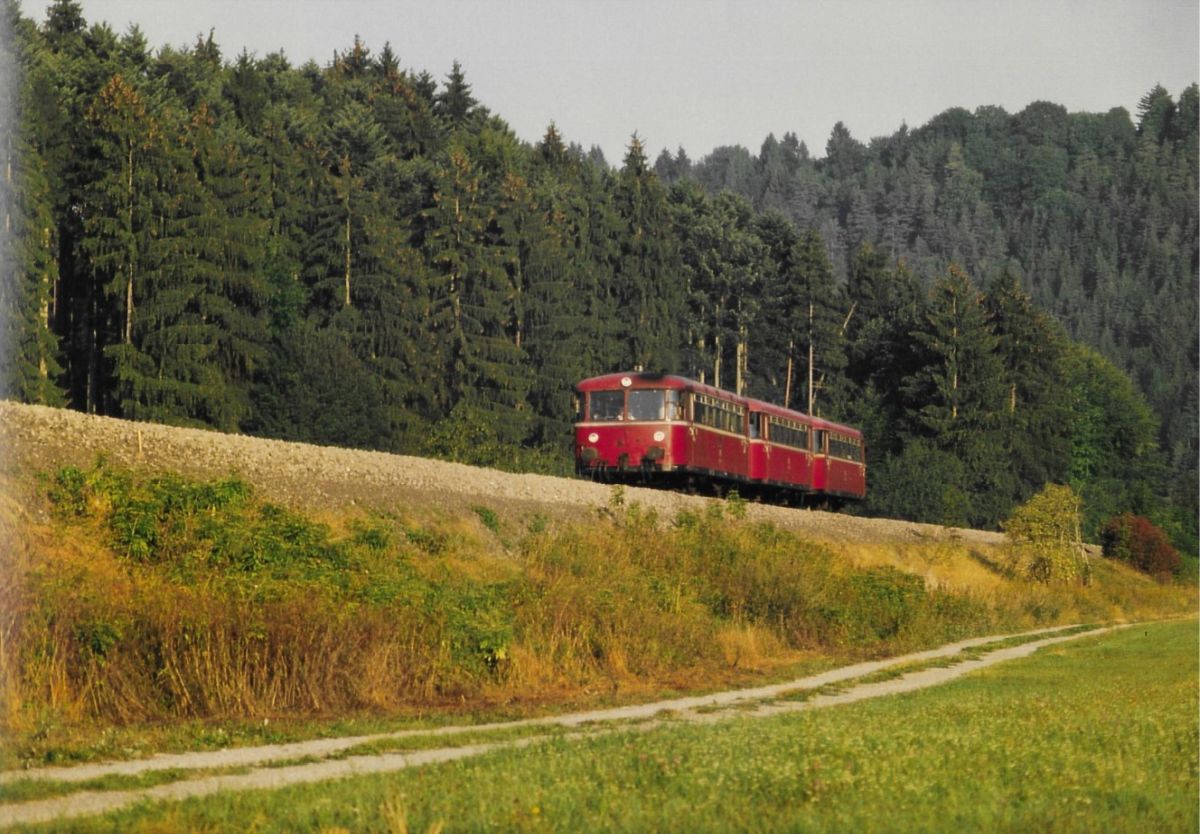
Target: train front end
628, 426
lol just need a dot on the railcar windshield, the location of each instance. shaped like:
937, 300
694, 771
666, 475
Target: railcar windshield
606, 405
646, 404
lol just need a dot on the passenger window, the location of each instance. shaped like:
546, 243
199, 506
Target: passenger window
754, 425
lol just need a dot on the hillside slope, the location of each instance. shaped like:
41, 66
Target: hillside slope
402, 586
321, 477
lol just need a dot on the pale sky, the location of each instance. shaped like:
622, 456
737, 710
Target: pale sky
704, 73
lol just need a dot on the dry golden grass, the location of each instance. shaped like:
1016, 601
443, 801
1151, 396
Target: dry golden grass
1117, 592
943, 564
747, 646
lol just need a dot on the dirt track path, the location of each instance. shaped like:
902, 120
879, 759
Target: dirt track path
700, 709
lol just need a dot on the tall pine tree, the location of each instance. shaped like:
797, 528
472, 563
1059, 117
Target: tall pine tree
956, 396
646, 287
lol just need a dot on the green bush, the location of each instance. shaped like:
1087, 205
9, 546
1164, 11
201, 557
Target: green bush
68, 492
1045, 543
882, 600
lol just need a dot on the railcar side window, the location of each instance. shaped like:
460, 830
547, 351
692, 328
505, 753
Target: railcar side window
606, 405
646, 404
789, 433
719, 414
847, 448
754, 418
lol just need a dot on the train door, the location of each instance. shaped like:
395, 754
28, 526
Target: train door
756, 458
699, 457
820, 460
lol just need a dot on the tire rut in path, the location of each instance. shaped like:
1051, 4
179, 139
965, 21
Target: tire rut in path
89, 803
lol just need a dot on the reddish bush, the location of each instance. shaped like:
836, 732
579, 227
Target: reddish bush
1136, 540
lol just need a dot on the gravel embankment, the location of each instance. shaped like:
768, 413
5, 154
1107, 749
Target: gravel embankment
36, 438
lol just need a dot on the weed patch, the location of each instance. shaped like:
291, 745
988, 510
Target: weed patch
155, 600
488, 517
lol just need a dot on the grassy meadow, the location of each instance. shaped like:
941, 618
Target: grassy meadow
1099, 734
150, 612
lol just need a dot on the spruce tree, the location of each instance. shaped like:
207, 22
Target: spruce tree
647, 291
573, 322
956, 396
805, 313
349, 145
29, 269
229, 258
1156, 114
1030, 347
64, 19
724, 269
960, 383
471, 302
29, 368
455, 103
119, 226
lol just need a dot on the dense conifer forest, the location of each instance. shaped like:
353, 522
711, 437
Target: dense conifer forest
362, 254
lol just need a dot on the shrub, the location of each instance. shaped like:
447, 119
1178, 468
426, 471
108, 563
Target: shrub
1045, 543
883, 599
1136, 540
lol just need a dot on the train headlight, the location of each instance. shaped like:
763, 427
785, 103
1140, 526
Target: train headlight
659, 436
593, 437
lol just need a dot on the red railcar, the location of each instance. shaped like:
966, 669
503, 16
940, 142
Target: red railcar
659, 427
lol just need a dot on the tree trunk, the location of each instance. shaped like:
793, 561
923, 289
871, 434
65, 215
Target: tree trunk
743, 362
129, 268
44, 298
812, 398
93, 351
737, 368
954, 362
787, 385
717, 362
346, 300
8, 156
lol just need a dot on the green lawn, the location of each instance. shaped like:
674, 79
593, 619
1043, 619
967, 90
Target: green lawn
1095, 735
